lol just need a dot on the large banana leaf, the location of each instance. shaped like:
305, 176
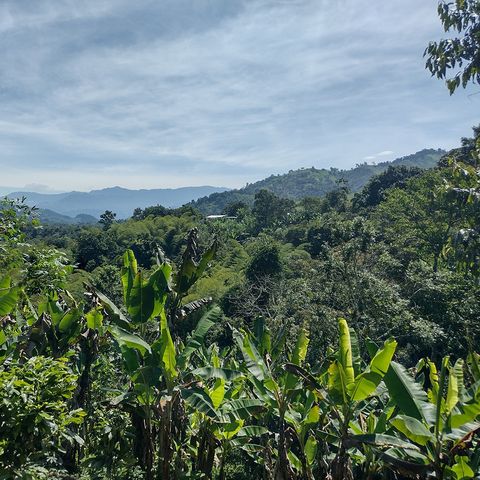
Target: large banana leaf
129, 340
199, 400
190, 271
367, 382
94, 318
413, 429
455, 386
381, 441
253, 360
337, 387
165, 348
243, 408
405, 392
8, 300
298, 356
114, 313
221, 373
196, 339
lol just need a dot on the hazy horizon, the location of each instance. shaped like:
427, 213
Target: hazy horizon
177, 93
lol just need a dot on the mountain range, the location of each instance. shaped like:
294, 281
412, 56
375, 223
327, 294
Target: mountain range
86, 207
122, 201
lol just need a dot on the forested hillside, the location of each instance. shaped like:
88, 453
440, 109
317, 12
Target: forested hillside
312, 182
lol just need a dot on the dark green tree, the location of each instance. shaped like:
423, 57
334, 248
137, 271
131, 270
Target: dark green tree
107, 219
394, 176
269, 210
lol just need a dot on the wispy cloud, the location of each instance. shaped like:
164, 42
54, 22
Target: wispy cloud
101, 92
383, 153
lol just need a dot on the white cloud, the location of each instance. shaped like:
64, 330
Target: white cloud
385, 153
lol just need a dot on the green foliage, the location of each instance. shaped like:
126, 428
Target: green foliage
461, 53
107, 219
36, 416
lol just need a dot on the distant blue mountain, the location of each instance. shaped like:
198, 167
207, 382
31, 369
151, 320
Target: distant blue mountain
122, 201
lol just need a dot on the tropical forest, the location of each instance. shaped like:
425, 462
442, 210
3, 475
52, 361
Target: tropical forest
317, 324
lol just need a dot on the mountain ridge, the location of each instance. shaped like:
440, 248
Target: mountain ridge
118, 199
312, 181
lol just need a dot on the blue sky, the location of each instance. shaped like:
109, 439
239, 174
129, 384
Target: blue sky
165, 93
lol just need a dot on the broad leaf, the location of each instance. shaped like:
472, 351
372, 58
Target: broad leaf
367, 382
404, 391
129, 340
69, 319
94, 318
8, 300
412, 428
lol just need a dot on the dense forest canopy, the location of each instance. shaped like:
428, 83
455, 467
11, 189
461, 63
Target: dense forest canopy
327, 327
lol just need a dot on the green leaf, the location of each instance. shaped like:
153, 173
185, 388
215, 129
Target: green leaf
469, 412
129, 340
5, 284
128, 273
69, 319
382, 441
455, 385
253, 361
229, 430
367, 382
301, 346
217, 393
336, 383
252, 431
141, 300
94, 318
244, 408
404, 391
196, 339
311, 449
345, 352
206, 259
8, 300
462, 469
313, 416
473, 361
198, 399
114, 313
412, 428
167, 352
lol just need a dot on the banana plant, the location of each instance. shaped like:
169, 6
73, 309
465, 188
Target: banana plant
223, 411
157, 361
292, 409
442, 422
347, 391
